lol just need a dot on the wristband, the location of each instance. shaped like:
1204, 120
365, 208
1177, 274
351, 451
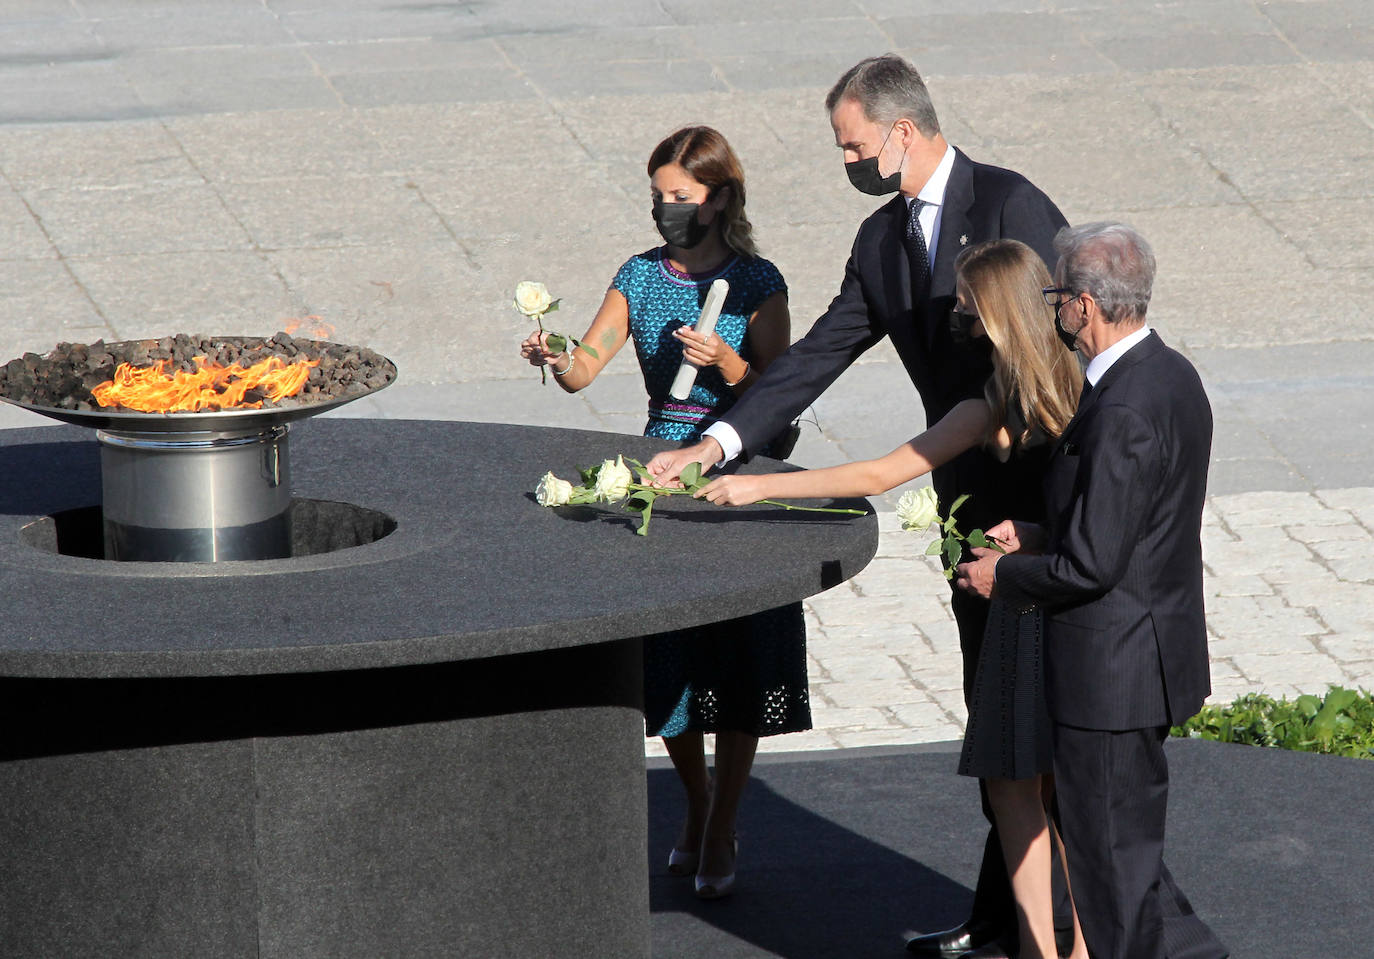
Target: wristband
743, 376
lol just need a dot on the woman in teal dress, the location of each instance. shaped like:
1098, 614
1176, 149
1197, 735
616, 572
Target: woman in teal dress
743, 678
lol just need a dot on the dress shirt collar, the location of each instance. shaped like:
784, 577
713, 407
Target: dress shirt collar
933, 193
1103, 361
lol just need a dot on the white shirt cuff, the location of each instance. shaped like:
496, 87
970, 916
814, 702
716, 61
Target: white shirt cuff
725, 435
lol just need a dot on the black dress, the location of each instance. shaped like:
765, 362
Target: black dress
745, 675
1008, 731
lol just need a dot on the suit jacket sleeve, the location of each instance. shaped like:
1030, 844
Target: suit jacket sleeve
803, 372
1114, 465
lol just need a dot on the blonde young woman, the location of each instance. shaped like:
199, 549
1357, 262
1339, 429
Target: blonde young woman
743, 678
1027, 402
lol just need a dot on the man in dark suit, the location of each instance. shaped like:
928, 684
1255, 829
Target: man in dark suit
899, 282
1120, 581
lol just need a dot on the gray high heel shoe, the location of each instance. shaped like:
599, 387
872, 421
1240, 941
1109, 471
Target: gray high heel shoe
682, 863
717, 887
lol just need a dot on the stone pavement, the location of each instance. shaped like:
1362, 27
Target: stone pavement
394, 169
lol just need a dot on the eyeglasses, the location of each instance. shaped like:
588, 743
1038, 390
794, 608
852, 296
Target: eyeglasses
1057, 296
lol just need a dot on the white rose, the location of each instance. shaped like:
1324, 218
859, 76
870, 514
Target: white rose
552, 491
613, 481
532, 298
918, 508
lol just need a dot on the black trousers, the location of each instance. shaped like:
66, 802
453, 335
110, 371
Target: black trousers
1112, 791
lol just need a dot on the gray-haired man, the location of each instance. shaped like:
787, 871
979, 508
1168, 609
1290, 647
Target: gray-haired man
1120, 580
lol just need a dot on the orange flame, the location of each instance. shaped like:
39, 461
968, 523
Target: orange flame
318, 328
212, 387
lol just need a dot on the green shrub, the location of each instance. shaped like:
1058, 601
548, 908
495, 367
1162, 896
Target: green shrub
1342, 724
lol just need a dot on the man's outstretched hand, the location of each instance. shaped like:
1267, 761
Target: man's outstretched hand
978, 577
1011, 536
1015, 536
666, 467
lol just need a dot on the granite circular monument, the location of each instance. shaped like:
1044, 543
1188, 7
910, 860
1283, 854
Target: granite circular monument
419, 734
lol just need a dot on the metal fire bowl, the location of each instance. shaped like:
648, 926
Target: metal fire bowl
135, 422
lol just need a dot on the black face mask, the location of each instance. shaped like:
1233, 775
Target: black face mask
1070, 340
961, 325
678, 224
864, 175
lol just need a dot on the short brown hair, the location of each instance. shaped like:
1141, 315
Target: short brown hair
888, 89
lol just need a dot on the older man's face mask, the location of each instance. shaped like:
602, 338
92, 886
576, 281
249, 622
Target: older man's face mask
1070, 340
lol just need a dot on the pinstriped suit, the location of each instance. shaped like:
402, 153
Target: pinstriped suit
1125, 639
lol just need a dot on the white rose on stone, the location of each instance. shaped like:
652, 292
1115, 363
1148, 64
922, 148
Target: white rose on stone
532, 298
918, 508
613, 481
553, 491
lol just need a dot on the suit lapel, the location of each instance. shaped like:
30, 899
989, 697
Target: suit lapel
896, 267
954, 224
954, 227
1145, 348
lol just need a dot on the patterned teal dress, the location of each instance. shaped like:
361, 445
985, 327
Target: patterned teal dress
742, 675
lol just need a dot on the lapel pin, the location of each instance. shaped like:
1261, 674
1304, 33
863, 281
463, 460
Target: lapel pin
963, 239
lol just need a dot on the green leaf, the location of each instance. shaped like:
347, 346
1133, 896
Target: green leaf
1340, 699
554, 305
935, 548
641, 500
590, 351
644, 516
691, 476
556, 342
957, 503
977, 539
952, 551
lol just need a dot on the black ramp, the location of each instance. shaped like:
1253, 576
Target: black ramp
844, 852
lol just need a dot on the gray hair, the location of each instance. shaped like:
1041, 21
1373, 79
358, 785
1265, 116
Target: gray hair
888, 89
1111, 262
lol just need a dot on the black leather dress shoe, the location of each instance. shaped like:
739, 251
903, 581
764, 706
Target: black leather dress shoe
955, 942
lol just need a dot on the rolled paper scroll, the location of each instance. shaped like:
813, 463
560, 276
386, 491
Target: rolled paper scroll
706, 325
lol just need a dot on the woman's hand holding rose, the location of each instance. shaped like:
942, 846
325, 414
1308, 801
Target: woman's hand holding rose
535, 348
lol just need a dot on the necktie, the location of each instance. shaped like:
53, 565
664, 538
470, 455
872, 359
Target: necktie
916, 251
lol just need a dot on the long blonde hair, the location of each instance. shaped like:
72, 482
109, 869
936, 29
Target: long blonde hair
1029, 364
706, 156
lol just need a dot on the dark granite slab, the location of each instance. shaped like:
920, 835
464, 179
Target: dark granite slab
475, 568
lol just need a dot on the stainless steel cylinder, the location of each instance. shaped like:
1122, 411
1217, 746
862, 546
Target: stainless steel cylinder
196, 496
